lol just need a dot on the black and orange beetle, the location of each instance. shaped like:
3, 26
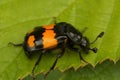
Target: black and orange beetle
60, 35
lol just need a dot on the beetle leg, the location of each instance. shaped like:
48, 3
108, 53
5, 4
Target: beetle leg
37, 62
77, 50
54, 19
54, 64
10, 43
83, 31
81, 58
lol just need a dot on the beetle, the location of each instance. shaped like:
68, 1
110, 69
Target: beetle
60, 35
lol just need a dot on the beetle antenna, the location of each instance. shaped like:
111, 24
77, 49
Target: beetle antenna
20, 44
54, 19
99, 36
83, 31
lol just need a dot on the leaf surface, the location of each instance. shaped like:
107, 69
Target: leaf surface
19, 16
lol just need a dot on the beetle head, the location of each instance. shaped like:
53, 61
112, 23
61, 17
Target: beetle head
85, 45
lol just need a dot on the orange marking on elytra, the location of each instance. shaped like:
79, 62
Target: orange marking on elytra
49, 40
31, 41
51, 26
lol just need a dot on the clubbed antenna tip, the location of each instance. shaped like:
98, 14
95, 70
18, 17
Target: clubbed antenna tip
99, 36
94, 50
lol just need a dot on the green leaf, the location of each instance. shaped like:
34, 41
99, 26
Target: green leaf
104, 71
19, 16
